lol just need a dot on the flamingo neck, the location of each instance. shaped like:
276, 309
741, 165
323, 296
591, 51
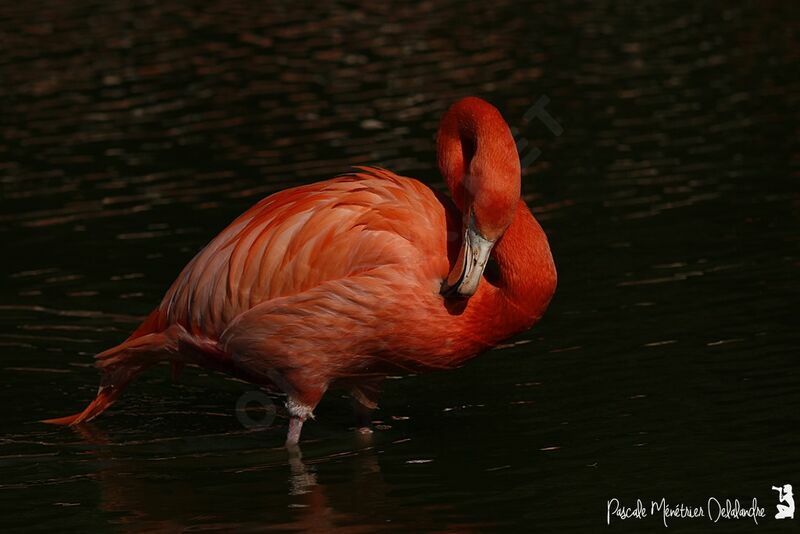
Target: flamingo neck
527, 271
475, 150
478, 159
519, 294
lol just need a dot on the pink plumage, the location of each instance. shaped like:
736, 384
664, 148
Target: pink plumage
339, 282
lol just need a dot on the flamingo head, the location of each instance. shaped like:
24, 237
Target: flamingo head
479, 161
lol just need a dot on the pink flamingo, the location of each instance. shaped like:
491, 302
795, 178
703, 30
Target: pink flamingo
337, 283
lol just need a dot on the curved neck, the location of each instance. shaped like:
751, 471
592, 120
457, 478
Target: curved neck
519, 294
479, 161
475, 142
527, 271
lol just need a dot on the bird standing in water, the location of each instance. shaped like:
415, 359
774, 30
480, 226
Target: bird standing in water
340, 282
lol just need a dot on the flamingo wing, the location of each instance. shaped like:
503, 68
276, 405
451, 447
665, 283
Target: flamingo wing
298, 291
301, 238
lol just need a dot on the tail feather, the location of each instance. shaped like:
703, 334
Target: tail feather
121, 364
105, 398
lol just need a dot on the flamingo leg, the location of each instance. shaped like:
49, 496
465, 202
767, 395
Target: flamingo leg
295, 428
363, 415
298, 413
365, 399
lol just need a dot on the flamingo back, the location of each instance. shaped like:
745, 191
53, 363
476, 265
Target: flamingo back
297, 239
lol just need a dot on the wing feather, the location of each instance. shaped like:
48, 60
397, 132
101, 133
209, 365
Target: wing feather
300, 238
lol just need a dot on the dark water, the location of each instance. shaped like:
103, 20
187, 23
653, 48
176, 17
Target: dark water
132, 132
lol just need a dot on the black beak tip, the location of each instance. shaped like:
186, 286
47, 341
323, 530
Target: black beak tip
451, 292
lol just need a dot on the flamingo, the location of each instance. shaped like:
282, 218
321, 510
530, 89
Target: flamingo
341, 282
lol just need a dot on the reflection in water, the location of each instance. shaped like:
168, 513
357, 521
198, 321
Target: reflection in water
139, 494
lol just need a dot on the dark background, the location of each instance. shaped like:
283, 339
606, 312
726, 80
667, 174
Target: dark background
132, 132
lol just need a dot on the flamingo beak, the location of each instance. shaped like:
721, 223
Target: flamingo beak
472, 258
